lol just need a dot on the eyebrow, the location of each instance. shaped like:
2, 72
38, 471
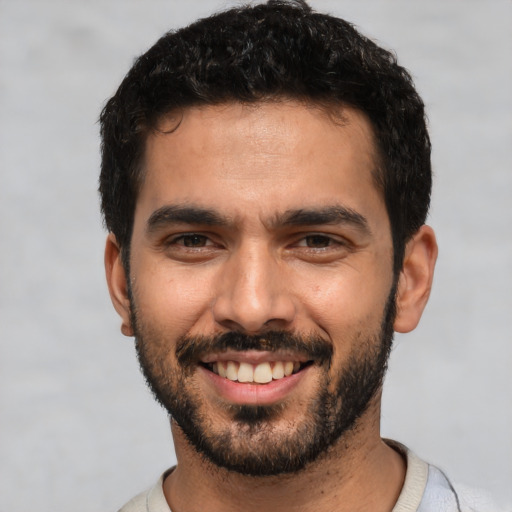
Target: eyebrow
180, 214
194, 215
323, 216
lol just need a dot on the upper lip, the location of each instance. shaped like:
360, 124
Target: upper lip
254, 357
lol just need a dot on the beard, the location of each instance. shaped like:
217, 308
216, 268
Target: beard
253, 441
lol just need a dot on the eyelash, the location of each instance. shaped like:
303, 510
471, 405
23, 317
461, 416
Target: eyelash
184, 236
329, 241
302, 241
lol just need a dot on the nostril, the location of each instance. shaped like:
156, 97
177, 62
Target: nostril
252, 300
252, 319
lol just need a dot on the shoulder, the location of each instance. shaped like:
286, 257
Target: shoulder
478, 500
137, 504
442, 494
151, 500
428, 489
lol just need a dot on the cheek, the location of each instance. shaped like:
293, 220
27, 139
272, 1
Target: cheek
175, 300
346, 299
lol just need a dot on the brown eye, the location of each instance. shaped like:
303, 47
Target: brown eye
317, 241
193, 240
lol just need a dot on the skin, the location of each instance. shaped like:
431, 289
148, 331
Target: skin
254, 272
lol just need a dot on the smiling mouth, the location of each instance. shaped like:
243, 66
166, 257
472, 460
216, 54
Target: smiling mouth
261, 373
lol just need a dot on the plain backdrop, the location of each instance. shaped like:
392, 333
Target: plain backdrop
78, 429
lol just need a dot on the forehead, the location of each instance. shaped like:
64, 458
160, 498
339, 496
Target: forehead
269, 155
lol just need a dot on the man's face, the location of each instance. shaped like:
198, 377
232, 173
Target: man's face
261, 280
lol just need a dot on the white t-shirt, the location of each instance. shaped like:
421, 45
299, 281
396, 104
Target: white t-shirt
426, 489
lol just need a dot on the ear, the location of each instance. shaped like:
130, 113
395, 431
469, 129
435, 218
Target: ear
415, 281
117, 284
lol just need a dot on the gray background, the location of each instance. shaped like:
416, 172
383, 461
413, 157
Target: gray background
78, 429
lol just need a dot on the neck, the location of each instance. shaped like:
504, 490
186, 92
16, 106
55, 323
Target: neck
360, 473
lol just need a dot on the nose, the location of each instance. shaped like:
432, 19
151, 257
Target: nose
253, 293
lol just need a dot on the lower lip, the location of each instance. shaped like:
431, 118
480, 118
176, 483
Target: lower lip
254, 394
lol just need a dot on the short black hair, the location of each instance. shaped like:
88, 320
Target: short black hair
279, 49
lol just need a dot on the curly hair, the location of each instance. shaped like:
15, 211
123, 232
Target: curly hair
253, 53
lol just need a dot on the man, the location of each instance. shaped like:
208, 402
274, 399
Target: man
265, 181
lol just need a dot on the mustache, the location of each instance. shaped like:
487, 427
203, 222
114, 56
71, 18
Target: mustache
190, 349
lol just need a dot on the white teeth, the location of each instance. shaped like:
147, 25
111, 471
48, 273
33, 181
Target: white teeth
288, 368
232, 371
221, 368
262, 373
278, 370
245, 373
